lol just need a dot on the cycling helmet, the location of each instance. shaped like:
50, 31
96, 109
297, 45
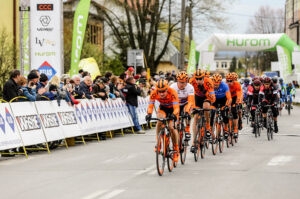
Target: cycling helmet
217, 78
199, 73
267, 80
255, 78
229, 76
182, 76
280, 80
235, 76
246, 81
256, 82
275, 80
261, 79
162, 85
207, 74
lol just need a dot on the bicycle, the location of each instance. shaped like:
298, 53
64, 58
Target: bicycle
183, 142
257, 120
200, 141
289, 104
163, 149
229, 138
218, 132
246, 114
270, 123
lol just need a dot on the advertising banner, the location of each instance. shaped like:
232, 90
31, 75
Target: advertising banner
45, 38
9, 134
284, 59
50, 121
79, 26
28, 122
192, 59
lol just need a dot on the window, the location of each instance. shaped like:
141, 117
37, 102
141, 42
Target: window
224, 64
95, 34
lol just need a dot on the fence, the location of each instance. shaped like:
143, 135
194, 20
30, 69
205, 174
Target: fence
23, 124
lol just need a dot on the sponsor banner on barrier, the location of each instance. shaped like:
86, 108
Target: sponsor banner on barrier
50, 121
28, 122
142, 109
9, 134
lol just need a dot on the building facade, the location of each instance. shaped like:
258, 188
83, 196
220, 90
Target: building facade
292, 18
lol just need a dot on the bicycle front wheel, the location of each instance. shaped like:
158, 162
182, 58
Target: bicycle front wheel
214, 140
160, 153
221, 138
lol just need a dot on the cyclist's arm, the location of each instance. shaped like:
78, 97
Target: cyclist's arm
229, 99
210, 94
175, 102
190, 99
239, 94
153, 96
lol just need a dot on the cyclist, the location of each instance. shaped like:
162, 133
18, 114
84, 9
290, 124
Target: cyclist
253, 99
240, 123
277, 87
282, 91
223, 100
186, 97
290, 91
204, 97
245, 87
268, 96
169, 107
237, 98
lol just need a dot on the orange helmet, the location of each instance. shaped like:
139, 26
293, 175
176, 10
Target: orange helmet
162, 85
235, 76
217, 78
182, 76
207, 74
199, 73
229, 76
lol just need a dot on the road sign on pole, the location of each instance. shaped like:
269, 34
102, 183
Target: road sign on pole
135, 58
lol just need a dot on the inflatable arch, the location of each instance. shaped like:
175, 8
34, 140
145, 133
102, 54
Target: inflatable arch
249, 42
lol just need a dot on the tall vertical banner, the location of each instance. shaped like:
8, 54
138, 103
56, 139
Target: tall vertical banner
192, 59
79, 26
45, 37
284, 59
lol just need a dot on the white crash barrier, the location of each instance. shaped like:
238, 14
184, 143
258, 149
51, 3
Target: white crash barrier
9, 134
31, 123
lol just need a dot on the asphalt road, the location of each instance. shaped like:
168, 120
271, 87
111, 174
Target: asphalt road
125, 168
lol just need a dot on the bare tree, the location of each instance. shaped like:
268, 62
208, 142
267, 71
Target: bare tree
140, 29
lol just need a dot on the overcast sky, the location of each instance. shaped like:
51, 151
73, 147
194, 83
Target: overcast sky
236, 18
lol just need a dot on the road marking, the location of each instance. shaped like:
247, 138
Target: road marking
153, 172
280, 160
112, 194
145, 170
95, 194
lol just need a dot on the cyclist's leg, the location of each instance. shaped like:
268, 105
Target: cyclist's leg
275, 114
174, 136
264, 113
187, 123
252, 111
206, 105
199, 104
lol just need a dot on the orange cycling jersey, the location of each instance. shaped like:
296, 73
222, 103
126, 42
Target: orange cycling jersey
205, 90
171, 100
236, 91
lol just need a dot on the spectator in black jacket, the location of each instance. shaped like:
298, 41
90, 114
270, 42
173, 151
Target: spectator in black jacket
11, 88
76, 92
86, 87
99, 90
131, 92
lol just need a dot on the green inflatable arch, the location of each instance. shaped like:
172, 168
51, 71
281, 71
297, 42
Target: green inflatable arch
249, 42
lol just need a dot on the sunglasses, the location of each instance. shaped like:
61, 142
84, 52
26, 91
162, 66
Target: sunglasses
162, 91
199, 78
267, 84
229, 81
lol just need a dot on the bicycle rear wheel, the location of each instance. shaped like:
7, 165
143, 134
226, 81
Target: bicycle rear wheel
214, 139
221, 138
197, 146
182, 147
160, 153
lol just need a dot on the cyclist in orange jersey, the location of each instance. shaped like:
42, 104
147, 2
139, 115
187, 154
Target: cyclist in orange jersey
169, 107
204, 97
240, 123
237, 98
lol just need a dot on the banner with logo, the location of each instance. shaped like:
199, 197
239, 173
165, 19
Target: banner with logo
192, 59
25, 43
45, 38
28, 122
142, 109
79, 26
284, 60
9, 134
49, 118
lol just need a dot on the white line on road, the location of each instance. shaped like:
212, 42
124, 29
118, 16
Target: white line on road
280, 160
112, 194
95, 194
145, 170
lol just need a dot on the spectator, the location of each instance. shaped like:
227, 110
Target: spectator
70, 89
129, 72
77, 93
131, 94
11, 88
28, 91
36, 72
80, 73
84, 74
122, 78
99, 90
64, 80
52, 93
85, 87
108, 75
107, 89
143, 74
113, 87
142, 85
43, 81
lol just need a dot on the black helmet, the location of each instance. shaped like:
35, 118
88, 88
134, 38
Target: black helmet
246, 81
274, 80
280, 80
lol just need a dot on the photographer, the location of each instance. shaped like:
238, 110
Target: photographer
28, 91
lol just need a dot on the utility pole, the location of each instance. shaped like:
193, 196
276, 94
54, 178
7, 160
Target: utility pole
182, 35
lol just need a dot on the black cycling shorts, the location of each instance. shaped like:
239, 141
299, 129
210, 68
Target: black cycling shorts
200, 100
167, 111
